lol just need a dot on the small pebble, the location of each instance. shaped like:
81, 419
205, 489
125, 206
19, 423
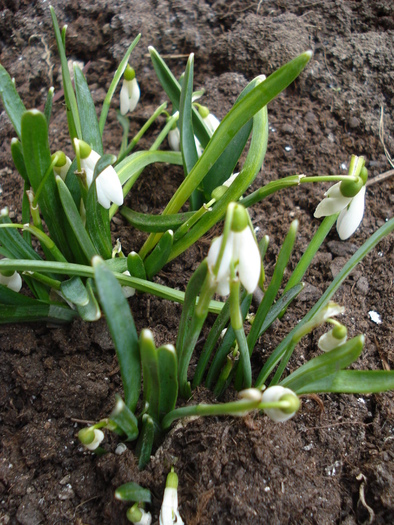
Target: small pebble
375, 317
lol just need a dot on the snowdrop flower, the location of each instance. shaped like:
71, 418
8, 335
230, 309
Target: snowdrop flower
109, 188
139, 516
91, 437
230, 180
348, 198
332, 339
276, 393
130, 92
174, 139
241, 249
209, 119
11, 280
169, 513
128, 291
62, 165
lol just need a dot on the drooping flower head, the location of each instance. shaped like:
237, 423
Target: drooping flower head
11, 280
348, 198
108, 186
335, 337
130, 91
209, 119
277, 393
91, 437
62, 165
240, 250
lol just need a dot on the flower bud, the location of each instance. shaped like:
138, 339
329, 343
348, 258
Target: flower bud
278, 393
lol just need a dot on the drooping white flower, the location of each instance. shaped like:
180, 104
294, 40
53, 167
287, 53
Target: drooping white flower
348, 198
277, 393
62, 165
174, 139
130, 92
241, 249
139, 516
169, 513
128, 291
13, 281
230, 180
108, 186
209, 119
333, 338
91, 437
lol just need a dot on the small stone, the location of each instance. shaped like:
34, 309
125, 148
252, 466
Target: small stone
288, 128
309, 293
354, 122
310, 117
341, 248
66, 493
362, 285
337, 264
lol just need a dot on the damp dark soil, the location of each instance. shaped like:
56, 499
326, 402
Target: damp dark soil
332, 463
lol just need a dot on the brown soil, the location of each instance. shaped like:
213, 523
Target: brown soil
247, 470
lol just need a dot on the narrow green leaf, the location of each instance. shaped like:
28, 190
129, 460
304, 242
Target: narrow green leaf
91, 310
131, 165
12, 298
118, 75
150, 373
74, 291
35, 313
133, 492
325, 365
125, 419
145, 441
168, 379
74, 123
37, 157
48, 105
121, 326
158, 258
154, 223
11, 101
135, 266
352, 382
87, 111
75, 220
13, 242
19, 161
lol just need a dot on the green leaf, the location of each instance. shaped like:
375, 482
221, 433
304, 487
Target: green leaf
168, 379
11, 101
134, 163
97, 217
74, 123
145, 441
87, 111
135, 266
74, 291
133, 492
125, 419
352, 382
325, 365
19, 161
75, 220
37, 157
158, 258
122, 328
154, 223
48, 105
13, 242
118, 75
35, 313
150, 373
90, 311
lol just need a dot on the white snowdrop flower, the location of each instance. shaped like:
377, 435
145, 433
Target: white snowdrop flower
62, 165
130, 92
109, 188
241, 249
209, 119
331, 310
169, 513
91, 437
11, 280
230, 180
139, 516
348, 198
276, 393
128, 291
332, 339
174, 139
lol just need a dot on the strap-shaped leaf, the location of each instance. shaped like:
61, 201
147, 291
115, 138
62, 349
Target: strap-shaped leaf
352, 382
145, 441
134, 163
11, 101
87, 111
154, 223
168, 379
91, 310
35, 313
74, 291
325, 365
158, 258
150, 373
125, 419
37, 157
48, 105
122, 328
17, 157
75, 220
13, 242
135, 266
133, 492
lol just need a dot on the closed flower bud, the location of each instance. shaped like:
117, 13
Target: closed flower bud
130, 92
276, 393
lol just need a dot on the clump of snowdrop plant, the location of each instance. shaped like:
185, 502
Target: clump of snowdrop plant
68, 204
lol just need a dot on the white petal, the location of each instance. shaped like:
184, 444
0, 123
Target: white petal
98, 438
331, 205
169, 508
174, 139
332, 309
272, 395
124, 99
223, 274
350, 218
134, 94
230, 180
13, 282
328, 342
128, 291
212, 122
89, 164
199, 148
109, 188
248, 254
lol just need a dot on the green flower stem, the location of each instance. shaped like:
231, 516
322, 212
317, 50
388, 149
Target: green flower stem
34, 210
44, 180
182, 230
161, 109
141, 285
44, 279
233, 408
279, 352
